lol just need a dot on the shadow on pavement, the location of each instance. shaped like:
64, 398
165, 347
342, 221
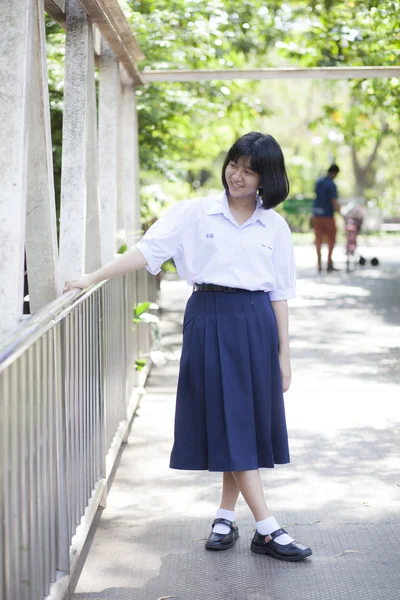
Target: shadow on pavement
340, 568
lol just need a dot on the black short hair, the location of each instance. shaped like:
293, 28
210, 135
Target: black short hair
266, 159
334, 169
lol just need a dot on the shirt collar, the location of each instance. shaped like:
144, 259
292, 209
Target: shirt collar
220, 206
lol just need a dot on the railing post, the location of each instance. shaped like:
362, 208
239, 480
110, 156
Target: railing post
61, 371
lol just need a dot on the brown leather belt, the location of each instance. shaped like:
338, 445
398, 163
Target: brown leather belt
212, 287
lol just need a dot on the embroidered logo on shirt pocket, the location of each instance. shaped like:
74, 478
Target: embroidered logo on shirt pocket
210, 235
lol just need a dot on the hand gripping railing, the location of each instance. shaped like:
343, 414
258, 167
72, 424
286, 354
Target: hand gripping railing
68, 393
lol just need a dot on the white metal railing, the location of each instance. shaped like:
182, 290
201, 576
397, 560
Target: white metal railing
69, 390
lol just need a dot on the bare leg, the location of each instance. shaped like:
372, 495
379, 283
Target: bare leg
249, 483
318, 243
230, 492
331, 240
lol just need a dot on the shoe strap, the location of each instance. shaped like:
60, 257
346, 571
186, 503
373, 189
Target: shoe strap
277, 533
224, 522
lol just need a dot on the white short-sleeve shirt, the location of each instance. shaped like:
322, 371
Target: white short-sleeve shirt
208, 246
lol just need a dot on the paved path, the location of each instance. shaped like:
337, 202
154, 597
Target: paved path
340, 494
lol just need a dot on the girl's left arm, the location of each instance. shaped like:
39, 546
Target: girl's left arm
280, 308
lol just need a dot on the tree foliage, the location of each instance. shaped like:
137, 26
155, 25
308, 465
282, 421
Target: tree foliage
184, 126
335, 33
211, 34
362, 33
184, 119
223, 34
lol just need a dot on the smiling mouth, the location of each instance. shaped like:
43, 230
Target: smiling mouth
236, 185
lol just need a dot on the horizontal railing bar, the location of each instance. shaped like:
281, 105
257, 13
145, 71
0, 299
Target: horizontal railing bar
155, 76
36, 325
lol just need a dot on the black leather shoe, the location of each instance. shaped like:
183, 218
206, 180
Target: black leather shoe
264, 544
222, 541
330, 268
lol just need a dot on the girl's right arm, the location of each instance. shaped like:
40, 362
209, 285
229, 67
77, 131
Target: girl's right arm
159, 243
132, 260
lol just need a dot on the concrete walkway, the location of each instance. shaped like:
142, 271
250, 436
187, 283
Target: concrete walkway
340, 494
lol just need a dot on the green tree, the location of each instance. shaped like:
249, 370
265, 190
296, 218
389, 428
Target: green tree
362, 33
184, 126
183, 122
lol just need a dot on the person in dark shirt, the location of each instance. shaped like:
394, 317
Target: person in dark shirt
324, 207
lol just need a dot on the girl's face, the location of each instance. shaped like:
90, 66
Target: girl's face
242, 181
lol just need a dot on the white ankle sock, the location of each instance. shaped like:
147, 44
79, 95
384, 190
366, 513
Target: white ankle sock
267, 526
224, 514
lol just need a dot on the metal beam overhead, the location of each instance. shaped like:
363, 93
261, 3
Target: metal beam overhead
153, 76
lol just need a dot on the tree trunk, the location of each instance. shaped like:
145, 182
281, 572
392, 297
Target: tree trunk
361, 185
365, 174
359, 174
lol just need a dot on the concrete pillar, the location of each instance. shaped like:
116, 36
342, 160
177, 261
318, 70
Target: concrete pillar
15, 72
93, 244
130, 160
121, 125
74, 176
136, 172
41, 225
128, 171
108, 150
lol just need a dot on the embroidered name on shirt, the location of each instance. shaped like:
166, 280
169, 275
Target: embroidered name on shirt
210, 235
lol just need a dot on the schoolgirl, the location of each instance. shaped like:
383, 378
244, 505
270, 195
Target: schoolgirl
237, 253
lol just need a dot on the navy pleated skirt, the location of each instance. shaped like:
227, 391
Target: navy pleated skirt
230, 412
